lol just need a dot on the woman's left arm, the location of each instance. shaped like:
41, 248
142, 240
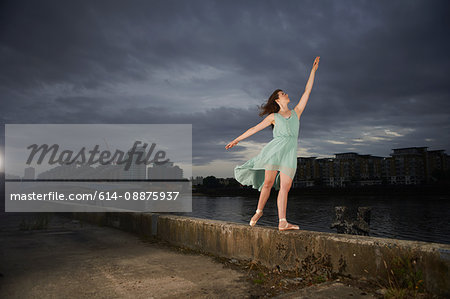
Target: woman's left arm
304, 99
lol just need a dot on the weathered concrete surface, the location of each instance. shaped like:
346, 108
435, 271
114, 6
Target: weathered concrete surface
327, 290
357, 256
76, 260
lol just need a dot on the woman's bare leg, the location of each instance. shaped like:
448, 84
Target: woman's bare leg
285, 186
269, 179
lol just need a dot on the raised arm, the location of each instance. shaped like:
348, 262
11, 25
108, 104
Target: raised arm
263, 124
304, 99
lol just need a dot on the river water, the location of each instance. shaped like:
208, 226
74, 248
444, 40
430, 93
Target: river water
421, 219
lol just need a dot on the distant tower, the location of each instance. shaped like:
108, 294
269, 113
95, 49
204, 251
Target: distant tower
29, 173
136, 171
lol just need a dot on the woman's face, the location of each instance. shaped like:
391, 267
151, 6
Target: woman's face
283, 97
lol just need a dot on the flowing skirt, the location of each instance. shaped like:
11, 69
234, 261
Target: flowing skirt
279, 154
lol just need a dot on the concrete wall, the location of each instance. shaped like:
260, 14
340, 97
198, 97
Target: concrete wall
356, 256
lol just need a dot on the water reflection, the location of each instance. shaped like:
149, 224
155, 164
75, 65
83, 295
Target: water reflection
422, 219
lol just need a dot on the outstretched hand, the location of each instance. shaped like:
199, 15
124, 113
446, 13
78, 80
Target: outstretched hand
231, 144
316, 63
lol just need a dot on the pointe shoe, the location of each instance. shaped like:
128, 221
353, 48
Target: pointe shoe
258, 212
287, 226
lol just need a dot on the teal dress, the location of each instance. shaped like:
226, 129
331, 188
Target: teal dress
279, 154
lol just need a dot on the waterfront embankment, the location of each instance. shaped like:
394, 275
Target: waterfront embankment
382, 260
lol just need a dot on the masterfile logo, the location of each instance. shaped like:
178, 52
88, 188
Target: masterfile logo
65, 156
98, 167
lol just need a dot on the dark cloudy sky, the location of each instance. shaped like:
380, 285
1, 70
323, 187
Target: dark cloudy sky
382, 82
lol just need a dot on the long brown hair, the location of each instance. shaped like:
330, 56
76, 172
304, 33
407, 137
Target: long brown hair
270, 106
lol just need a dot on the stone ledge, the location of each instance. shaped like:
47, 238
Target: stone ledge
351, 255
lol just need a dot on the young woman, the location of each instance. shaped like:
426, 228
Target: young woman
277, 161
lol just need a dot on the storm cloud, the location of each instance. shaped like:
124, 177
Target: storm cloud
382, 82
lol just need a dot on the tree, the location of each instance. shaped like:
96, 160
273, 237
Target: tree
211, 182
